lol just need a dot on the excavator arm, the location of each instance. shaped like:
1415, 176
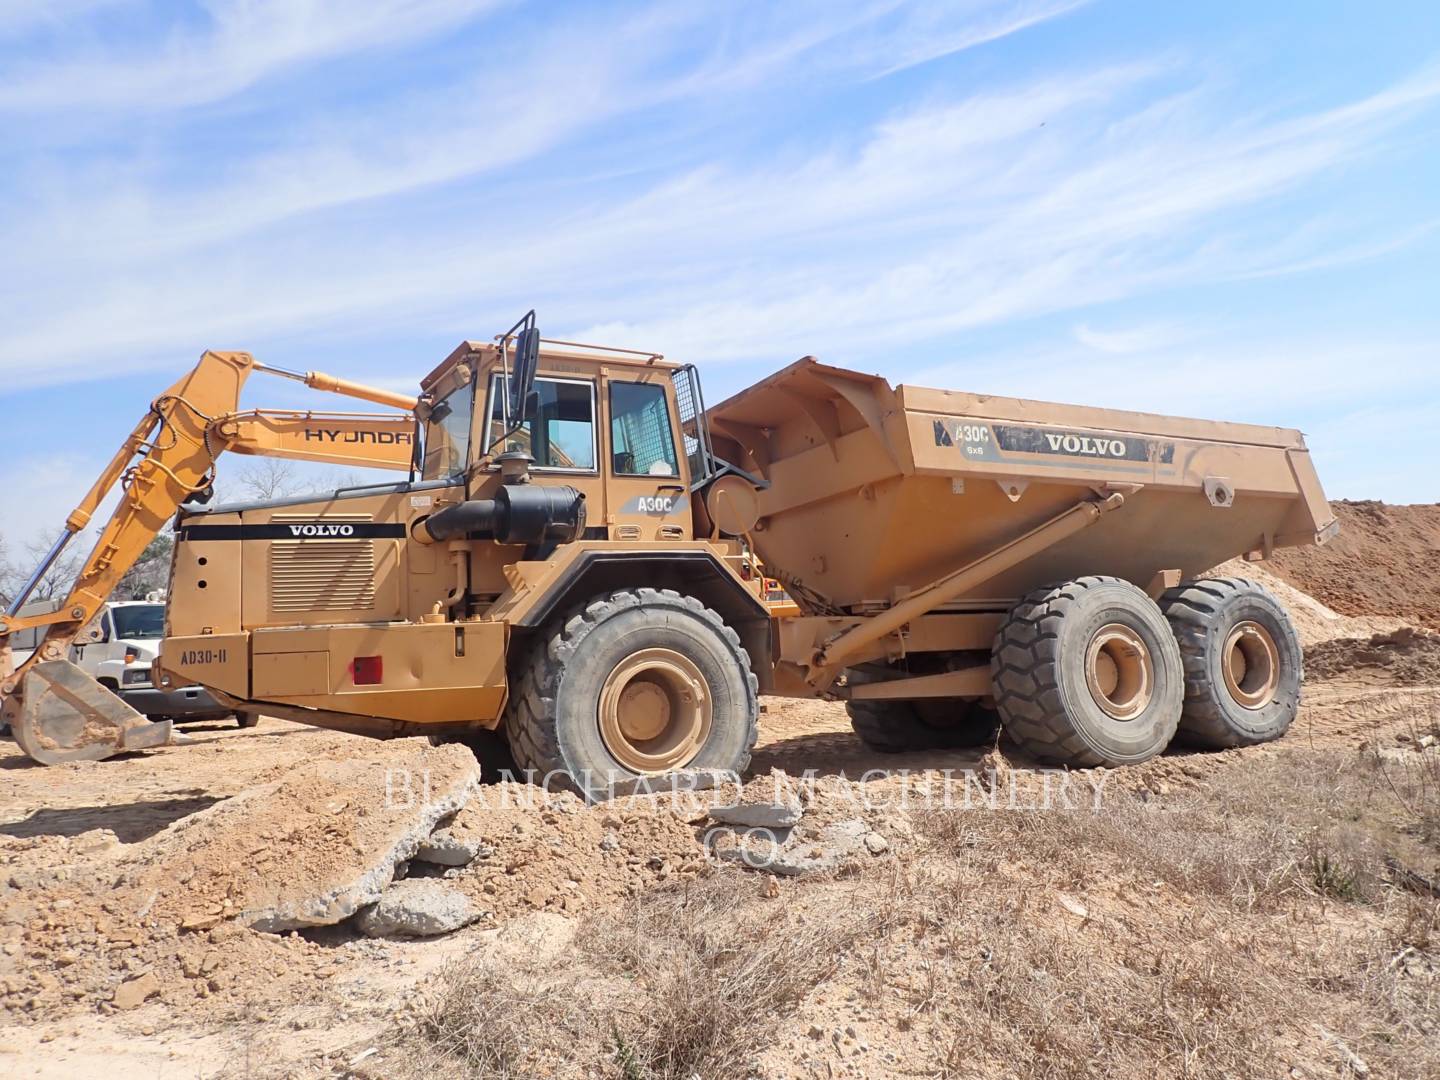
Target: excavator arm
58, 713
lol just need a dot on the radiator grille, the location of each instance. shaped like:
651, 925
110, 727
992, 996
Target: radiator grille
322, 575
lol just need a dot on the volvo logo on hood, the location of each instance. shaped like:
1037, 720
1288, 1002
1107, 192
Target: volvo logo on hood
322, 530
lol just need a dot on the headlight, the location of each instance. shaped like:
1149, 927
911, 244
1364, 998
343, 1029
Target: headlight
135, 677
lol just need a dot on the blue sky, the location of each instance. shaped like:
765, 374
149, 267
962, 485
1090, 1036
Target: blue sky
1223, 210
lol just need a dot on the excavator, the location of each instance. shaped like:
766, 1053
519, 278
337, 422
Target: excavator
56, 711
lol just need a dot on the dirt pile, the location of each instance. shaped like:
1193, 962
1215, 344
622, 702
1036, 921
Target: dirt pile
549, 851
303, 847
1385, 561
1406, 657
86, 919
1314, 621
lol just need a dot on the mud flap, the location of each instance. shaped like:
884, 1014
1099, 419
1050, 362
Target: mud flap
65, 715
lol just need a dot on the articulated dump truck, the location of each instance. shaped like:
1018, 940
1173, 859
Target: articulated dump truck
577, 560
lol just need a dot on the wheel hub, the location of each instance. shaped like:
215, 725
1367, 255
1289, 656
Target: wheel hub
1119, 671
655, 711
1250, 665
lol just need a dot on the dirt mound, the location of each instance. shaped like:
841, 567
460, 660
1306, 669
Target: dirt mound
1407, 657
549, 851
1385, 561
89, 920
1314, 622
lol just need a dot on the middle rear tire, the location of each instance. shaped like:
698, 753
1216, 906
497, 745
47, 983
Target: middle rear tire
1088, 673
895, 727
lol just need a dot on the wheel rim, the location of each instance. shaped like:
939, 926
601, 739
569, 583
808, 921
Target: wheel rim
1251, 665
655, 711
1119, 671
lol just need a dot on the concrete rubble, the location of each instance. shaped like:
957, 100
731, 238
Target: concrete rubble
767, 802
444, 848
417, 907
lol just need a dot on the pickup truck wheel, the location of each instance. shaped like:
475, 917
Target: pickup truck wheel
639, 682
1243, 662
1087, 673
247, 719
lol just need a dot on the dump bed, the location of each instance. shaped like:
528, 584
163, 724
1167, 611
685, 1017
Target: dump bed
874, 491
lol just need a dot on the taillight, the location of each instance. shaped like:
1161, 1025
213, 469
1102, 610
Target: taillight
367, 670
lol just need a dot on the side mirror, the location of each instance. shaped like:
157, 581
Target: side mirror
522, 379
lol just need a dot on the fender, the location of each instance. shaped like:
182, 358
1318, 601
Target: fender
595, 570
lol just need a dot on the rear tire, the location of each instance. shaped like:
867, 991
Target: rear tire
895, 727
1088, 673
637, 682
1243, 662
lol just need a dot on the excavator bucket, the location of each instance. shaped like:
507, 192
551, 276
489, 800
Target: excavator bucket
65, 715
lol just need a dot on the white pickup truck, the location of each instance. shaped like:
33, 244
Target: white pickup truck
117, 650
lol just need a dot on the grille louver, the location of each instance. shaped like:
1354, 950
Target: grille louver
322, 575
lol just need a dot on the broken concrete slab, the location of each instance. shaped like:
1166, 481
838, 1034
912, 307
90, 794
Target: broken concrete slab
417, 907
444, 848
307, 845
767, 802
796, 851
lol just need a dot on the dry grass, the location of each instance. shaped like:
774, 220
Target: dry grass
1241, 928
1236, 920
714, 969
677, 984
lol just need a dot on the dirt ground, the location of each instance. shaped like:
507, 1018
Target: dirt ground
1256, 912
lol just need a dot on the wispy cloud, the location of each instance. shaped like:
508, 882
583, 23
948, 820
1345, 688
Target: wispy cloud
986, 209
597, 187
1128, 340
19, 17
240, 43
931, 30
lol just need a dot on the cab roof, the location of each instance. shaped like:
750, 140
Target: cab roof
550, 349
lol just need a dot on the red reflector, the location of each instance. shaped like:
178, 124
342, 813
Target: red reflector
367, 670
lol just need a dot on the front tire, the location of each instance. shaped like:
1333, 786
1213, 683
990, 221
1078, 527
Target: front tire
246, 719
1088, 673
1243, 662
638, 682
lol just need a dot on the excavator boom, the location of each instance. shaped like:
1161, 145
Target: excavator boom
57, 712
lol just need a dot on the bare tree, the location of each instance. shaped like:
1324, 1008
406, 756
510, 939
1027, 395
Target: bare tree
8, 574
267, 478
56, 581
338, 479
151, 571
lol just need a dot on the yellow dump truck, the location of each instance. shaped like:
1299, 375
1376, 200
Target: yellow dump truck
577, 560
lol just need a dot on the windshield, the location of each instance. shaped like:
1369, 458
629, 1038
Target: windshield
561, 434
447, 439
139, 621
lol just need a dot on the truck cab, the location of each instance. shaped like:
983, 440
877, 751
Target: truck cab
118, 650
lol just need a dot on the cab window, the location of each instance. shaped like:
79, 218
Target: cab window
641, 440
447, 437
561, 434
